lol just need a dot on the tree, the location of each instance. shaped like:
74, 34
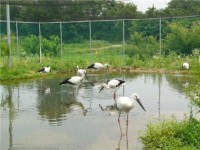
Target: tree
182, 39
182, 8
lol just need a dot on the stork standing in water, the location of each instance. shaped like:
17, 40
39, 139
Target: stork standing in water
125, 104
45, 70
186, 66
97, 66
75, 81
114, 83
81, 71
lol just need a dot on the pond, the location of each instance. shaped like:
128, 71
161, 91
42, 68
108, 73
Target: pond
41, 114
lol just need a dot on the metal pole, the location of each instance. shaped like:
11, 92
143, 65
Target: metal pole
124, 63
90, 32
160, 38
17, 39
8, 34
0, 49
40, 43
61, 39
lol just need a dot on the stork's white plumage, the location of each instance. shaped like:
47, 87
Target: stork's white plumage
81, 71
74, 81
114, 83
125, 104
97, 66
45, 70
186, 66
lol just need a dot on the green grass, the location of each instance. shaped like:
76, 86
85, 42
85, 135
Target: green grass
81, 54
172, 134
26, 67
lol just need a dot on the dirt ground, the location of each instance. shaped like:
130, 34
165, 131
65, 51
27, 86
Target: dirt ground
139, 70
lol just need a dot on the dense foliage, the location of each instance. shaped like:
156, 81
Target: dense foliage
49, 47
183, 38
172, 134
67, 10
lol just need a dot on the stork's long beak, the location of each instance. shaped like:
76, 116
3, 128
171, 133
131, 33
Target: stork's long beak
101, 89
139, 102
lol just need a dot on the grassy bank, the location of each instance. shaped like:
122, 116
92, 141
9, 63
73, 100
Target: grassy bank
26, 67
172, 134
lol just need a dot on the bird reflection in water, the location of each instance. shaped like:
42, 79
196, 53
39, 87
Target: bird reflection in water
72, 103
75, 105
112, 109
44, 88
119, 143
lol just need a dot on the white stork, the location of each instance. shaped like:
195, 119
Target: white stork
45, 70
125, 104
74, 80
97, 66
81, 71
186, 66
114, 83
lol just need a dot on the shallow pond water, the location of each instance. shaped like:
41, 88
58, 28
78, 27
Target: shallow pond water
40, 114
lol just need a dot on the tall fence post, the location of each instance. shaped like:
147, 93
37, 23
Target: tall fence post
61, 48
160, 37
124, 63
40, 42
90, 30
8, 34
0, 46
17, 39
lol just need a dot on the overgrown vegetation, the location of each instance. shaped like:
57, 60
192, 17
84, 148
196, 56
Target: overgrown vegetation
193, 92
50, 47
26, 67
140, 51
67, 10
172, 134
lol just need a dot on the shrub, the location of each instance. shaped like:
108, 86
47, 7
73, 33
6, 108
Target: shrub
4, 49
172, 134
49, 47
31, 44
145, 47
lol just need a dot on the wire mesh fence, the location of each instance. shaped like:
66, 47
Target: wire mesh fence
98, 40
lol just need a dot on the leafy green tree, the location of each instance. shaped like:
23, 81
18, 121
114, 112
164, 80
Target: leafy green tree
15, 11
119, 10
146, 27
181, 8
31, 45
143, 46
75, 32
49, 47
194, 35
181, 39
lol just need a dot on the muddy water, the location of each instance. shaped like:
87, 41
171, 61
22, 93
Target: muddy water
40, 114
